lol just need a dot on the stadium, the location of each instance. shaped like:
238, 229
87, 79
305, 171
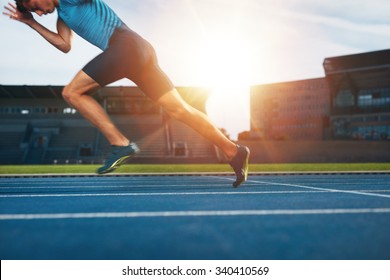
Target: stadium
343, 117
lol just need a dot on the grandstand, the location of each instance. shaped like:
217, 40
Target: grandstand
39, 127
360, 95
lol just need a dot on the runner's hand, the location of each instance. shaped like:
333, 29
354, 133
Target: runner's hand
13, 13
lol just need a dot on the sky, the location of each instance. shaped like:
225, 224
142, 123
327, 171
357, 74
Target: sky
226, 45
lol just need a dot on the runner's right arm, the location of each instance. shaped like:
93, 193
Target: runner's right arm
61, 40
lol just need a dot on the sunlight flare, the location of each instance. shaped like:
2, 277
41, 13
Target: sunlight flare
225, 67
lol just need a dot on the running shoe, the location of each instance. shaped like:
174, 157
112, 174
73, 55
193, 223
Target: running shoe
239, 163
118, 155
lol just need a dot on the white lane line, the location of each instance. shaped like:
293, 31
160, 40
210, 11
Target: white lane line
100, 180
162, 214
132, 186
154, 194
312, 188
171, 193
66, 185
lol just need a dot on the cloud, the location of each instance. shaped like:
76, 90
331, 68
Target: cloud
382, 29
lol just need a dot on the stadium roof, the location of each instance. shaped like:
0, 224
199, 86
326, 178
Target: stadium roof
30, 91
54, 92
358, 62
195, 96
358, 71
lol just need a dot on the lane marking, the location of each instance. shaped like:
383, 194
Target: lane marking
162, 214
66, 185
81, 180
171, 193
186, 185
155, 194
313, 188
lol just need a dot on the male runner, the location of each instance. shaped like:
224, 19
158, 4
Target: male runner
125, 54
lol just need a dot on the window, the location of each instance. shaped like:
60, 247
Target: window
344, 98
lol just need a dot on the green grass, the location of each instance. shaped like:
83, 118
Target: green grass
167, 168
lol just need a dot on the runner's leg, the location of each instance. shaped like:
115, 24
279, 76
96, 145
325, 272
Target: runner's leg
176, 107
76, 94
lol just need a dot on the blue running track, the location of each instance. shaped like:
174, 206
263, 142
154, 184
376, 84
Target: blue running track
273, 217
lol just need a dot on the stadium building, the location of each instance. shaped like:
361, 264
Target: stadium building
323, 119
297, 110
360, 95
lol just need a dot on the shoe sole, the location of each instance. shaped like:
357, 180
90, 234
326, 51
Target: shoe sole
245, 167
115, 165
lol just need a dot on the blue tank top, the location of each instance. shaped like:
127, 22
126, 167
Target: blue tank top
92, 20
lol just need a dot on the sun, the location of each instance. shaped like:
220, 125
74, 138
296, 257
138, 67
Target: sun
225, 67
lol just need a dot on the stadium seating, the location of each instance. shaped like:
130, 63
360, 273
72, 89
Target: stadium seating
196, 145
11, 142
76, 141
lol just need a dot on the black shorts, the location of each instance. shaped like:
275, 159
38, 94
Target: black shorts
129, 56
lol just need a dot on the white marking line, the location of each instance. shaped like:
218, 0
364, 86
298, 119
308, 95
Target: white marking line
169, 194
153, 194
313, 188
191, 214
100, 180
66, 185
107, 186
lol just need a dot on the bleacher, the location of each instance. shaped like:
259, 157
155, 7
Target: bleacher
196, 145
10, 143
147, 131
45, 130
65, 146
